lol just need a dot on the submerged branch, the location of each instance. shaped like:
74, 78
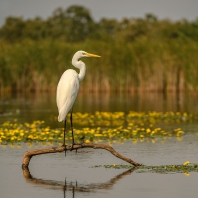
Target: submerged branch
29, 154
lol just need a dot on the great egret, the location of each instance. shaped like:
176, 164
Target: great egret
68, 87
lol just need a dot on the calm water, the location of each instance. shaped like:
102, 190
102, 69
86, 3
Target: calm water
41, 106
53, 175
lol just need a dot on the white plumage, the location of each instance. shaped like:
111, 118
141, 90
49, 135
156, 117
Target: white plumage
67, 91
68, 88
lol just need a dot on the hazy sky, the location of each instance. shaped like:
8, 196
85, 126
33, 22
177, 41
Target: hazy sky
172, 9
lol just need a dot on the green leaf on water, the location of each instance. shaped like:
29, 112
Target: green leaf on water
191, 167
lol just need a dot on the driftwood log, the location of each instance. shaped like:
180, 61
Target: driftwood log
29, 154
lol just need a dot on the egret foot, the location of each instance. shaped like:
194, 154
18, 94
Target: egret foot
76, 148
72, 146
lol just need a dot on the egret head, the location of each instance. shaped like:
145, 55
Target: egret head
79, 64
80, 54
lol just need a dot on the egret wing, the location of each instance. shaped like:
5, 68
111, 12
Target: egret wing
67, 91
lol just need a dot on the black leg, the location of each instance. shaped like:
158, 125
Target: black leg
64, 136
64, 132
72, 128
73, 143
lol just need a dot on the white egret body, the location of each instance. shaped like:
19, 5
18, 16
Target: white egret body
68, 87
67, 91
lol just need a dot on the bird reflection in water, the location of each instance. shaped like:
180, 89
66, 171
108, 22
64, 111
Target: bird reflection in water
75, 187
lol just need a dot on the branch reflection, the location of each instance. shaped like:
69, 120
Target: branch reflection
74, 186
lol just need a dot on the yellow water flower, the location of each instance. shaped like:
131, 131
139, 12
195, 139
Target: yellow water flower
50, 143
3, 137
186, 173
36, 137
44, 139
152, 133
22, 134
33, 130
148, 130
114, 125
186, 163
50, 138
179, 138
13, 138
134, 132
153, 141
141, 139
30, 136
60, 138
179, 133
1, 133
135, 140
92, 131
98, 135
87, 141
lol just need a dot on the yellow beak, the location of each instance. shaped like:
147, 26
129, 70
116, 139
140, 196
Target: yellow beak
92, 55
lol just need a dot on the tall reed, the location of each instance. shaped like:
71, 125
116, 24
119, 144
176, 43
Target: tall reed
141, 65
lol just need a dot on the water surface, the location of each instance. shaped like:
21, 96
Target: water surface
53, 175
50, 171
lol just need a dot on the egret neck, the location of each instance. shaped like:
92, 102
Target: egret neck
81, 66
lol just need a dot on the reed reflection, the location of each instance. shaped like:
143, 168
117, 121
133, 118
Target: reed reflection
41, 106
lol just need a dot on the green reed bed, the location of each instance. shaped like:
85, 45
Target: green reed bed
144, 54
144, 64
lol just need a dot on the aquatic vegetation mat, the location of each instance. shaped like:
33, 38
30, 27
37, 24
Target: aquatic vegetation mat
184, 168
111, 126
